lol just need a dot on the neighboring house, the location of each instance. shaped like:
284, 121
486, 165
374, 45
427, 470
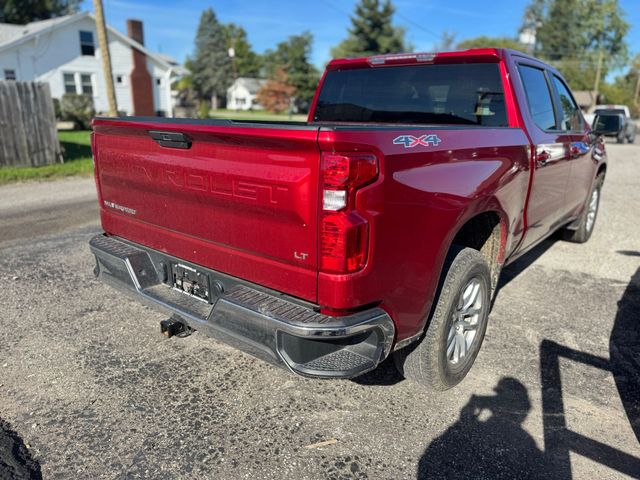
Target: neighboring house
241, 95
586, 99
64, 53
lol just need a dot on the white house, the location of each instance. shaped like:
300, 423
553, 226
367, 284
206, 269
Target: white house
64, 53
241, 95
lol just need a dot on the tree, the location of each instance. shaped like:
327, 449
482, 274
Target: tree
24, 11
577, 35
372, 31
245, 62
490, 42
622, 90
447, 42
293, 57
275, 95
211, 66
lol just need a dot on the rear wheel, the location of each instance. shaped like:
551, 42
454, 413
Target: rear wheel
457, 326
587, 220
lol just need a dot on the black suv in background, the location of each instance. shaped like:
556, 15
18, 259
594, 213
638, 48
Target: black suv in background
616, 122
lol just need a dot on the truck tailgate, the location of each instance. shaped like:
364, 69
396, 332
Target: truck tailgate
238, 198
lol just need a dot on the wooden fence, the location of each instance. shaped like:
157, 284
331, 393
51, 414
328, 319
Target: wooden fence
28, 136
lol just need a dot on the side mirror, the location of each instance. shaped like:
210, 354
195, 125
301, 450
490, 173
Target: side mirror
606, 124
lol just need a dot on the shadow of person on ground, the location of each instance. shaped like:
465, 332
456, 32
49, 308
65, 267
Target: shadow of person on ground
15, 460
624, 352
488, 440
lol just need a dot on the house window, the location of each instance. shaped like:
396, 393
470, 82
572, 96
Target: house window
69, 83
9, 74
86, 84
87, 47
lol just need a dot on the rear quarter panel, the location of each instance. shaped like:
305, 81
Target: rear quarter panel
423, 196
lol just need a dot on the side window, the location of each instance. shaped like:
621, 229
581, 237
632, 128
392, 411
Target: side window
69, 80
570, 116
87, 46
538, 97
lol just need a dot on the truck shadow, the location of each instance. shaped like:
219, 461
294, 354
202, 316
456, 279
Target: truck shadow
525, 261
488, 440
15, 459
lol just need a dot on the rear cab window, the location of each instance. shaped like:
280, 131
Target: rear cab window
452, 94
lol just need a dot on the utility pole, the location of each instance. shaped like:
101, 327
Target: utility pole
596, 86
635, 95
106, 57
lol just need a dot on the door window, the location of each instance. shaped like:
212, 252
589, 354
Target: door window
538, 97
570, 115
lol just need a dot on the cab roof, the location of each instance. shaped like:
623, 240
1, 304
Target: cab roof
473, 55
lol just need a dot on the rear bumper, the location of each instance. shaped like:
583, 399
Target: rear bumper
269, 325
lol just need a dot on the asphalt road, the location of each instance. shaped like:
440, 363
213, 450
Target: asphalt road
90, 389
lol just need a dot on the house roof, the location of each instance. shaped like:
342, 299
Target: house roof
13, 35
585, 98
251, 84
9, 31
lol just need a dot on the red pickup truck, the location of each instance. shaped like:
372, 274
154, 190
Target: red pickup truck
377, 227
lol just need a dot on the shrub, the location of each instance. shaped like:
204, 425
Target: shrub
203, 109
56, 109
77, 109
276, 94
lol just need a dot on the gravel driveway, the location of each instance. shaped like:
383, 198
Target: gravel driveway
90, 389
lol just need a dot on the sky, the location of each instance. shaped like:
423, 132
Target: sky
170, 26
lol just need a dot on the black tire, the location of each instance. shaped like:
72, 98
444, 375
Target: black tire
427, 362
585, 228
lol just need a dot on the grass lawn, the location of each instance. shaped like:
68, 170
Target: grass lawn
76, 147
77, 161
258, 115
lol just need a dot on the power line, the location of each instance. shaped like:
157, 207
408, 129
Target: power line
405, 18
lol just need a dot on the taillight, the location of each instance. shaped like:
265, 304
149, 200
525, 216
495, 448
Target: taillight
344, 235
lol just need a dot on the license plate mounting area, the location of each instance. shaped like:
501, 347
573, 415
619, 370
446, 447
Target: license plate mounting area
191, 281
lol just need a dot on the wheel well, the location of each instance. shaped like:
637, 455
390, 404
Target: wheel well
484, 233
602, 170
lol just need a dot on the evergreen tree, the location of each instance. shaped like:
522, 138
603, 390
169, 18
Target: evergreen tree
211, 66
246, 62
293, 56
372, 31
22, 12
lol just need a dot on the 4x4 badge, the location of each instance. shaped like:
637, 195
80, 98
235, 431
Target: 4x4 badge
409, 141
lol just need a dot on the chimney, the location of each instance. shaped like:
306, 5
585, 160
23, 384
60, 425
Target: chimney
141, 82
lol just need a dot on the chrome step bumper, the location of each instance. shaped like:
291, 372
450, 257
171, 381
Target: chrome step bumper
269, 325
